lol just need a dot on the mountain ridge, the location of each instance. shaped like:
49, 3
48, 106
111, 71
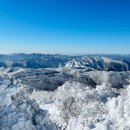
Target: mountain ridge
90, 62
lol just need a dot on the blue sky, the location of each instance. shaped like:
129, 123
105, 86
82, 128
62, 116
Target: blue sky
65, 26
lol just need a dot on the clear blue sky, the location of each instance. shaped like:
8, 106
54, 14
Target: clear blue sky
65, 26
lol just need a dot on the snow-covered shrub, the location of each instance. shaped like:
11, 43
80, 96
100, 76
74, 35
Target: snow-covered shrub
18, 111
75, 106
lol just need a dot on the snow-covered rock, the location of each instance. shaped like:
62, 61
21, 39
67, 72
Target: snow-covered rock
18, 111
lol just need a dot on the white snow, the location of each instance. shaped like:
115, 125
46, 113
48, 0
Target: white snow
74, 64
78, 107
17, 110
73, 106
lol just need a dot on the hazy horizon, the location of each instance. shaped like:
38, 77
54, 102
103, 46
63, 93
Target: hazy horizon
69, 54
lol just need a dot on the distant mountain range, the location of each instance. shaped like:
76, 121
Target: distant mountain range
89, 62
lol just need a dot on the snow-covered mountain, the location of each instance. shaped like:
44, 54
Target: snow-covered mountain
75, 64
93, 62
98, 63
56, 92
72, 106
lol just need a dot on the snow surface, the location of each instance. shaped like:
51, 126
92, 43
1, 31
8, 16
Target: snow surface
74, 64
72, 106
17, 111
